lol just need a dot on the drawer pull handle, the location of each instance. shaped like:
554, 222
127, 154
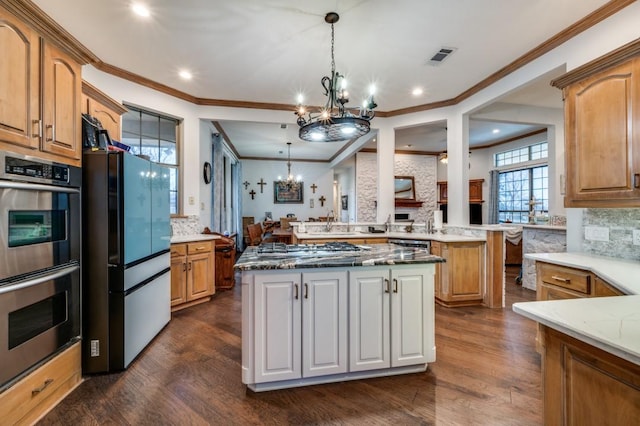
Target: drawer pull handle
395, 285
41, 388
562, 280
200, 248
636, 180
306, 290
386, 285
184, 267
296, 293
52, 132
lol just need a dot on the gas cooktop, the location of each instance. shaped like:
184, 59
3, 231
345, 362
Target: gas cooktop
336, 246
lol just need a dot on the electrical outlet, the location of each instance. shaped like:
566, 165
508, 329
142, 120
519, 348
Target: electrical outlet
636, 237
596, 233
192, 200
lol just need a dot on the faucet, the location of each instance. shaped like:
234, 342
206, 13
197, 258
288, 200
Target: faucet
330, 220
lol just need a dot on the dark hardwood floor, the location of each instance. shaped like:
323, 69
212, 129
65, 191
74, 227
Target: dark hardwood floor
487, 373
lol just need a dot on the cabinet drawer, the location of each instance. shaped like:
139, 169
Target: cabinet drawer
38, 392
569, 278
178, 250
200, 247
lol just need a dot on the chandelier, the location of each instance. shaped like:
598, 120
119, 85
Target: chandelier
335, 122
291, 183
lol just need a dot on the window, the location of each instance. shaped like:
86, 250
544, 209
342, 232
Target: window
517, 188
521, 155
152, 134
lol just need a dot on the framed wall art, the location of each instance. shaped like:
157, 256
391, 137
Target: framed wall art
288, 193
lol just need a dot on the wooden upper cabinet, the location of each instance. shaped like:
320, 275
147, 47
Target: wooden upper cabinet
602, 138
20, 83
62, 131
40, 84
104, 108
475, 191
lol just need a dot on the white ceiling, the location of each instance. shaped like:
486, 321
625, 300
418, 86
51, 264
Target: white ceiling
271, 50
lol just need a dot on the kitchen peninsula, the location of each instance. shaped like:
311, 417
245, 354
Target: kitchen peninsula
334, 312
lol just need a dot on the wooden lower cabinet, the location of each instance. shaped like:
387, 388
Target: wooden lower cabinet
562, 282
369, 240
584, 385
192, 273
32, 397
460, 280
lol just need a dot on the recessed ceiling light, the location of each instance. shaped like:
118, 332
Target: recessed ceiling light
417, 91
140, 10
185, 75
496, 131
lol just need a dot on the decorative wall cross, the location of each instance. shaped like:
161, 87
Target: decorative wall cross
252, 193
262, 183
322, 200
246, 184
314, 187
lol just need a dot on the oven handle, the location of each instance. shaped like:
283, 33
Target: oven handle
37, 187
39, 280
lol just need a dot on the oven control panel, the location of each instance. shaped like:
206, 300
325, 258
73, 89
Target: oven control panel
20, 167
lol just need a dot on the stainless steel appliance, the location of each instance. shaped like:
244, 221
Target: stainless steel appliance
425, 244
126, 258
39, 261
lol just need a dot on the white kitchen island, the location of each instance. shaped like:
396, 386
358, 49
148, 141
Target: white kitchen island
318, 316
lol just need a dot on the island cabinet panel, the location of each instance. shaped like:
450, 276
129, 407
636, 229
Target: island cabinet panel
389, 323
369, 309
300, 325
278, 323
460, 280
602, 139
324, 319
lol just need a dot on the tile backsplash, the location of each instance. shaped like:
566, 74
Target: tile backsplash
188, 225
620, 223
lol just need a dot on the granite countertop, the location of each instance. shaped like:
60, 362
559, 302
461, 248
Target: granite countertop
193, 238
609, 323
398, 235
369, 255
620, 273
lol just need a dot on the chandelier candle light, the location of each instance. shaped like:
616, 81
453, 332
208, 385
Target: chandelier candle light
335, 122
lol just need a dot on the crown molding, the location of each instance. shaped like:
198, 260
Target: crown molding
622, 54
95, 93
46, 26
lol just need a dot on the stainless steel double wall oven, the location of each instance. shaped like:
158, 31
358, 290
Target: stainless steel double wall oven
40, 227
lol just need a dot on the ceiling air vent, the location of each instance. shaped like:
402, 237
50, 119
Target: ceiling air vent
441, 55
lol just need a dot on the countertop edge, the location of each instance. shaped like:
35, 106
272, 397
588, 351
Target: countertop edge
522, 308
178, 239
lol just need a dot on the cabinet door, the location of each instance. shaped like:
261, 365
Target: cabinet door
550, 292
199, 276
369, 320
412, 316
109, 118
277, 325
324, 323
178, 280
62, 85
461, 276
603, 162
20, 88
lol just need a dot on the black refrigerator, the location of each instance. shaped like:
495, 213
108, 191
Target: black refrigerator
126, 261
